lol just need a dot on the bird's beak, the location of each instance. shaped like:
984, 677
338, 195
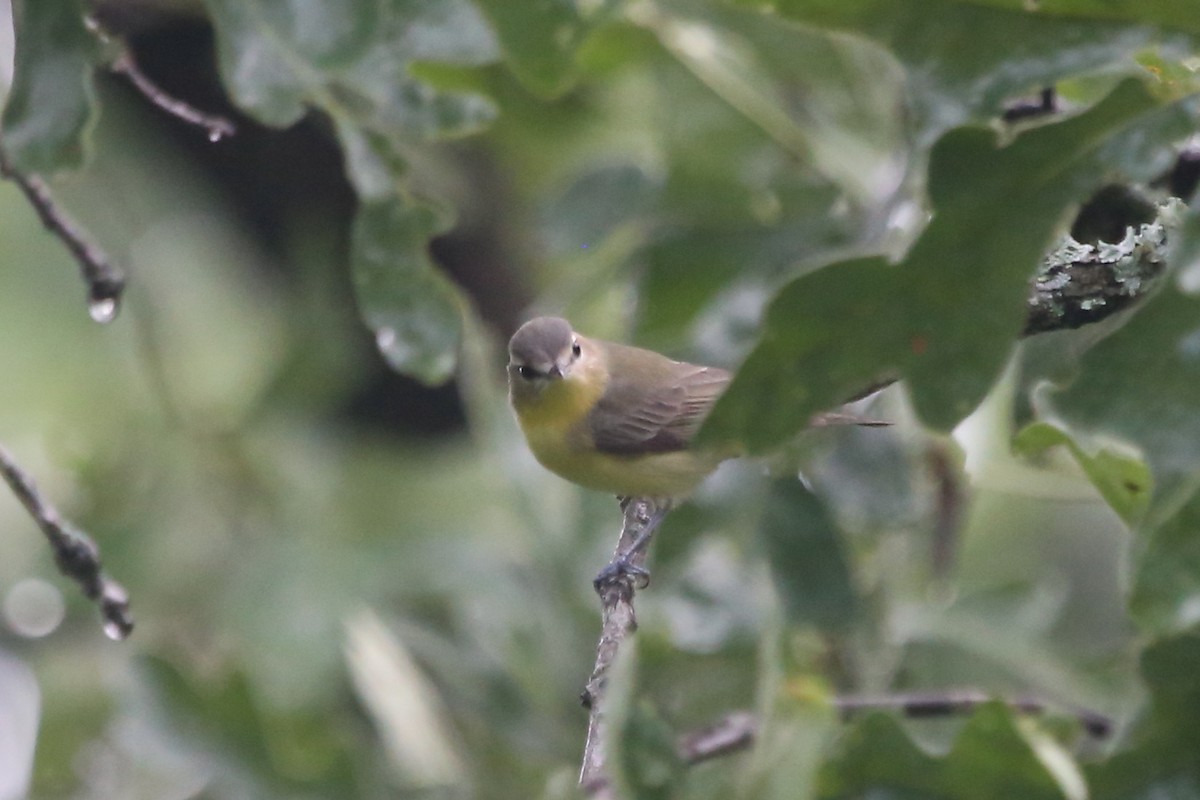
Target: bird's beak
556, 371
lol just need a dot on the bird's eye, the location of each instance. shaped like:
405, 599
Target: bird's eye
526, 372
576, 349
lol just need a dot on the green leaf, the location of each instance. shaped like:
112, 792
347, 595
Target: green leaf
269, 51
600, 202
763, 139
789, 83
1139, 384
1167, 572
989, 760
1123, 481
51, 100
539, 38
352, 59
808, 564
1161, 761
877, 754
829, 334
1179, 15
413, 309
372, 166
964, 59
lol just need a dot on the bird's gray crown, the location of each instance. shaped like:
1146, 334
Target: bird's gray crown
540, 341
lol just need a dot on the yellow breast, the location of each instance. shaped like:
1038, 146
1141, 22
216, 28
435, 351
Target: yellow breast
554, 420
555, 426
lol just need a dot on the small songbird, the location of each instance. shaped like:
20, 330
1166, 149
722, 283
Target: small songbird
621, 419
612, 417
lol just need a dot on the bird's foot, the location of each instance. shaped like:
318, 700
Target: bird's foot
621, 570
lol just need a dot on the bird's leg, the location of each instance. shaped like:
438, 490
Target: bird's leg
641, 518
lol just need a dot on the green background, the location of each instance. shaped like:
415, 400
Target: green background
350, 578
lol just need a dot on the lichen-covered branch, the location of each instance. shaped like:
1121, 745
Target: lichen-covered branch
1079, 284
76, 554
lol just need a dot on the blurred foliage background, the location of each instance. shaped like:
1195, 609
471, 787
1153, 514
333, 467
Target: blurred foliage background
351, 580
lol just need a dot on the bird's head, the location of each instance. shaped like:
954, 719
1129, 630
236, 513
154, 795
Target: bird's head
542, 352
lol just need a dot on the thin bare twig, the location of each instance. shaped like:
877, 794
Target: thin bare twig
217, 126
618, 621
964, 701
737, 731
947, 511
730, 734
1045, 104
76, 554
104, 279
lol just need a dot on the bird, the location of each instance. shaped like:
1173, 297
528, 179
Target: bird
613, 417
619, 419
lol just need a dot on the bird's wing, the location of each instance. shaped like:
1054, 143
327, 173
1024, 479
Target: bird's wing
654, 407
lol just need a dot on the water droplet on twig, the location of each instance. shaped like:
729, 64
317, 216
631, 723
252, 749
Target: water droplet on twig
115, 630
215, 135
103, 309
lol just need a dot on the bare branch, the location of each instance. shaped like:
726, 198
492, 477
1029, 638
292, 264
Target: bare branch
948, 508
217, 126
730, 734
1045, 104
105, 280
76, 554
618, 621
952, 703
738, 730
